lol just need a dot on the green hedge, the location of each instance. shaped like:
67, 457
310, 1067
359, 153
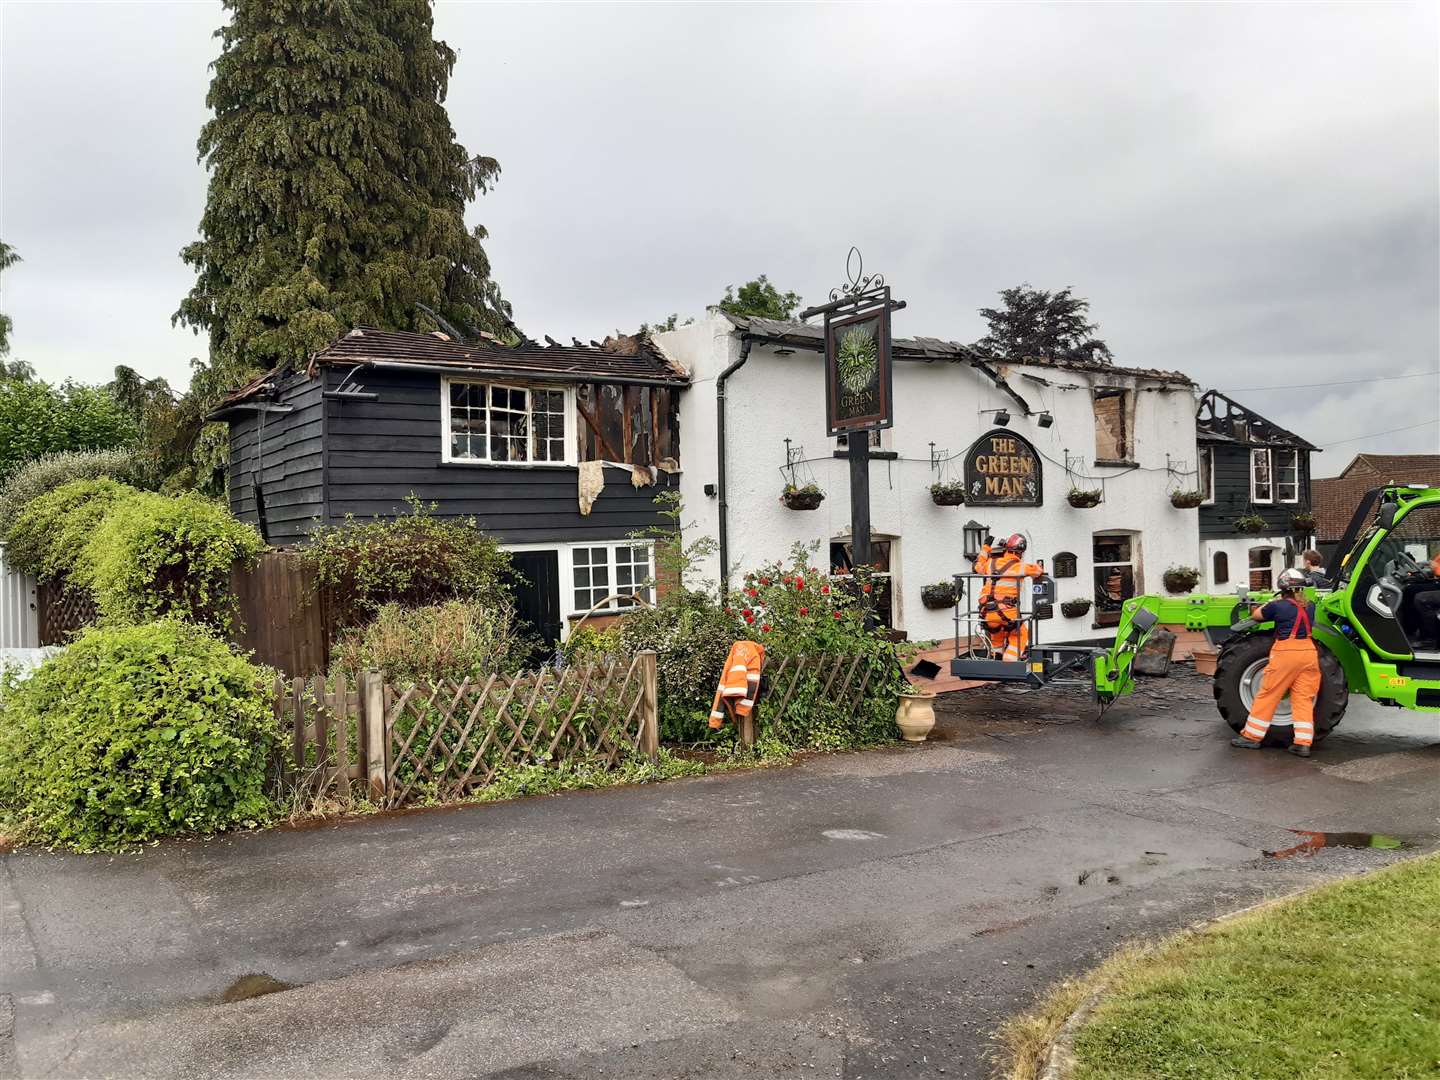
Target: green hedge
52, 530
47, 473
133, 733
156, 555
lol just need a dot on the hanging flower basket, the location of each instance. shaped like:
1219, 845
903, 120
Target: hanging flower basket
808, 497
1074, 609
1181, 579
1251, 523
1084, 498
1303, 522
936, 597
948, 494
1186, 500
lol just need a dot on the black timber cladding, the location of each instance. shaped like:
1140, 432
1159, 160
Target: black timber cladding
379, 453
291, 476
1232, 494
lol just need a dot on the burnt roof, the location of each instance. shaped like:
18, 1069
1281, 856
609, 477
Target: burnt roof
625, 358
803, 335
1222, 419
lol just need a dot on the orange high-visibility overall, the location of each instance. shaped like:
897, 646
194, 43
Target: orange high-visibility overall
739, 682
1294, 666
1000, 601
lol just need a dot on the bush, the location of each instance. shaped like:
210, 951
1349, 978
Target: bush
413, 561
52, 530
35, 478
155, 555
37, 418
587, 645
137, 732
454, 640
691, 634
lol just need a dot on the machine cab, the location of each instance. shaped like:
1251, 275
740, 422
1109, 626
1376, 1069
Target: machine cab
1387, 568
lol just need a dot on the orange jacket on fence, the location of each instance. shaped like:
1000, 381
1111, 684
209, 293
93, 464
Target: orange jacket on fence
739, 682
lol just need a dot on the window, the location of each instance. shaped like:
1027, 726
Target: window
1064, 564
1262, 488
1114, 559
1262, 577
1206, 469
487, 422
610, 570
1220, 575
1287, 476
1113, 416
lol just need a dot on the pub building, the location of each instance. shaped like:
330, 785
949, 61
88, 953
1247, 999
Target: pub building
1018, 437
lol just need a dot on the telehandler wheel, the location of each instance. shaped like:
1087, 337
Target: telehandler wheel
1238, 675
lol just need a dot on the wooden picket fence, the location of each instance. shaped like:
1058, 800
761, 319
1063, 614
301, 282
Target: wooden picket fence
841, 679
448, 740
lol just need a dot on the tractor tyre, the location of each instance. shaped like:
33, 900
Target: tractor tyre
1238, 674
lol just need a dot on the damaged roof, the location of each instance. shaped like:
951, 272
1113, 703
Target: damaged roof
805, 336
1222, 419
615, 358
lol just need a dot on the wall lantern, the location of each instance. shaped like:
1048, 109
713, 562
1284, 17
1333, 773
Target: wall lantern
1002, 417
975, 534
1046, 420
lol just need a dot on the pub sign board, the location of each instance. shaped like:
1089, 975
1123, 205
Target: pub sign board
1002, 469
857, 371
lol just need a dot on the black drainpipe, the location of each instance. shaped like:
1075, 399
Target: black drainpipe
745, 343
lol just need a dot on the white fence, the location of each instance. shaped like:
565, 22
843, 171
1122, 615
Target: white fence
19, 609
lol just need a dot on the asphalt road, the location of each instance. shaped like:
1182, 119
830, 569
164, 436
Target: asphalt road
859, 915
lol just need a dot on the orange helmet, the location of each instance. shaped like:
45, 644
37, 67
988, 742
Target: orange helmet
1015, 543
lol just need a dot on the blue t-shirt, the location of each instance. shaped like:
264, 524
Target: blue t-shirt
1284, 615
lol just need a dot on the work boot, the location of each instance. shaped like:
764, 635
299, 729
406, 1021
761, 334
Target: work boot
1298, 750
1244, 743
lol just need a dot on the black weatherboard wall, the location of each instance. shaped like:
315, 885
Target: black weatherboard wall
377, 453
292, 477
1232, 495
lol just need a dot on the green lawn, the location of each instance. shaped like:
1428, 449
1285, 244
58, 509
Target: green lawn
1342, 982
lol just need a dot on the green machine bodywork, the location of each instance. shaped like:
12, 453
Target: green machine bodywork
1361, 622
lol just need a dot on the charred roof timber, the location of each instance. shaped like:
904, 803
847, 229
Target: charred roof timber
1222, 419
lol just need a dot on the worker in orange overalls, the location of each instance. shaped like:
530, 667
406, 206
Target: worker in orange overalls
1000, 596
739, 683
1294, 666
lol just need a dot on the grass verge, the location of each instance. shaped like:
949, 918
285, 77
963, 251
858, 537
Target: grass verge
1342, 981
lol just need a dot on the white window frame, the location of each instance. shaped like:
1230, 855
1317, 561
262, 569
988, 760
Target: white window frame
1275, 456
569, 606
571, 457
1205, 463
1255, 497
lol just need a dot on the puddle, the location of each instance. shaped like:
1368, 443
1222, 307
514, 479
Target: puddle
1314, 841
252, 986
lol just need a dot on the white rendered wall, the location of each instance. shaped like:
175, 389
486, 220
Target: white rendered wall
774, 397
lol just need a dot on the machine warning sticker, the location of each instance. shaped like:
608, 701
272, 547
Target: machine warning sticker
1398, 680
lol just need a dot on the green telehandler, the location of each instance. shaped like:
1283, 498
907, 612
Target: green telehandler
1370, 633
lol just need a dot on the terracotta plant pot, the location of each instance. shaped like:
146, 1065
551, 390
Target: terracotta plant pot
1205, 659
915, 715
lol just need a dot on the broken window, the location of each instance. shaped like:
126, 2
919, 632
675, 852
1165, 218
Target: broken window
1262, 575
630, 425
1114, 562
1112, 424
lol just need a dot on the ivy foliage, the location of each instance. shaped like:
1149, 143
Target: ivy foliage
52, 530
412, 560
38, 418
337, 190
133, 733
156, 555
47, 473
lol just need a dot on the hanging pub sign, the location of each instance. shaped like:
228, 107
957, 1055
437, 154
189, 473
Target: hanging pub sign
857, 370
1002, 469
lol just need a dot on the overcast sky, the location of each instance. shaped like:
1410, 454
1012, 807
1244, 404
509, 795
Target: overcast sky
1250, 194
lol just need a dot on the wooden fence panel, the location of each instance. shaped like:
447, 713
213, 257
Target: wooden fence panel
323, 722
62, 611
282, 614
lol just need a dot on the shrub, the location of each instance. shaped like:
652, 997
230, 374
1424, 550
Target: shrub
454, 640
137, 732
690, 634
155, 555
414, 560
37, 418
587, 645
52, 530
35, 478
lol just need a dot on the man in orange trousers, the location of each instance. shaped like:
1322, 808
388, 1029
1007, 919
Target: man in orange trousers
1294, 666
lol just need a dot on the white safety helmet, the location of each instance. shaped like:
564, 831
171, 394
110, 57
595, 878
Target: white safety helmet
1291, 581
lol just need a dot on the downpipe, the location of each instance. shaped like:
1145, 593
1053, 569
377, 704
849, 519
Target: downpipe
746, 342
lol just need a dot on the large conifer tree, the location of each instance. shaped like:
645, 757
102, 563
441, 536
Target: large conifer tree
337, 189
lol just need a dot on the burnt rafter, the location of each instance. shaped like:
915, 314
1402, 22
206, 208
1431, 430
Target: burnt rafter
1225, 418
